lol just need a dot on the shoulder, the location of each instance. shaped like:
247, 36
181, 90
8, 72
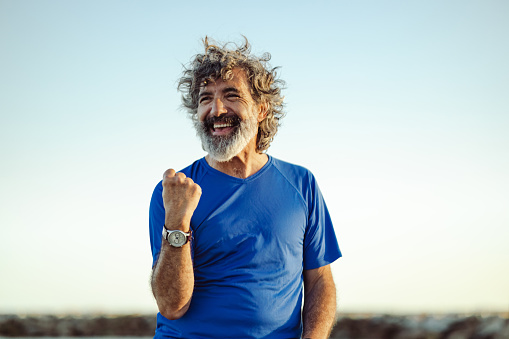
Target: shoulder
287, 167
300, 178
297, 175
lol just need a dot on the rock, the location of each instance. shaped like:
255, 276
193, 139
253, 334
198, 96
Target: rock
354, 326
49, 325
421, 327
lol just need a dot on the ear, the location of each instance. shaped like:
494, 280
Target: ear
264, 110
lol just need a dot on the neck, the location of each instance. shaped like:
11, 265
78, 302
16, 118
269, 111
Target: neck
241, 166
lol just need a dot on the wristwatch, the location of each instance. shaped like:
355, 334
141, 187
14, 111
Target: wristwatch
175, 238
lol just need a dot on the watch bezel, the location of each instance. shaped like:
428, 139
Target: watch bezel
167, 235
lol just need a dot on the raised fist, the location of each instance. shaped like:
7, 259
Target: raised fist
180, 196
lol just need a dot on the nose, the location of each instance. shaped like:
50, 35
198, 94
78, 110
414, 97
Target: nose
218, 108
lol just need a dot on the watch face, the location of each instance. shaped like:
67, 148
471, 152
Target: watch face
177, 239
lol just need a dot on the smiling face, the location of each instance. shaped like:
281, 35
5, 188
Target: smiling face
228, 117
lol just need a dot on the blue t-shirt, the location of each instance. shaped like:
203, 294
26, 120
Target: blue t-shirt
252, 238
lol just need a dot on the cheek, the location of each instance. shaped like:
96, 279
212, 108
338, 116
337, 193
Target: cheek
256, 113
201, 114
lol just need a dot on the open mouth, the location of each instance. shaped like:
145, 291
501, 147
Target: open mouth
219, 125
222, 125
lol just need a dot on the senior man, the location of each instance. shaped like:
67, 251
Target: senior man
239, 237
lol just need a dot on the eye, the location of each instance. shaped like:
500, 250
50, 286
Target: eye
233, 96
204, 99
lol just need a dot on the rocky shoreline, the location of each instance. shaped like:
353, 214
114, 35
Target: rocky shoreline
452, 326
348, 326
76, 326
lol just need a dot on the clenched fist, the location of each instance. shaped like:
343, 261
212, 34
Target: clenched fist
180, 196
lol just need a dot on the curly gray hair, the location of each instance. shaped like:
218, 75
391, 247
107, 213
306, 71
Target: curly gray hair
219, 62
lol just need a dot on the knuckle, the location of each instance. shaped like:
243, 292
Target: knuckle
169, 173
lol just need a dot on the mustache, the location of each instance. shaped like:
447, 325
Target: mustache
231, 119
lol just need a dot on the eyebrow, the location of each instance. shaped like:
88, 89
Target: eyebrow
225, 90
230, 89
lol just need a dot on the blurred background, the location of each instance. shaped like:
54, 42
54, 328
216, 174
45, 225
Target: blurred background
399, 108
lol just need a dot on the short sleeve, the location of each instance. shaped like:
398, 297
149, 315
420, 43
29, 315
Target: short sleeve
320, 242
156, 221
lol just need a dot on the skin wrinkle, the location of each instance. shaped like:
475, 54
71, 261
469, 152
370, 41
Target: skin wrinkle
227, 99
218, 63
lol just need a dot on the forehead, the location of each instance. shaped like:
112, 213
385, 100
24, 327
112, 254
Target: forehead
238, 81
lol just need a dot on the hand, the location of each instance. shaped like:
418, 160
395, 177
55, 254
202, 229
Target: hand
180, 197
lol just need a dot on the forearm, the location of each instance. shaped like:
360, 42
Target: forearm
319, 310
173, 276
173, 280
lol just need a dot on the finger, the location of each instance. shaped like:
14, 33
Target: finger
180, 175
169, 173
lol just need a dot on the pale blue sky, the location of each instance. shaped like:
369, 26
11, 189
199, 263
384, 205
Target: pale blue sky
400, 108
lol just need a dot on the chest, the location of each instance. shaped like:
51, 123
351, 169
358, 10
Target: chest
247, 224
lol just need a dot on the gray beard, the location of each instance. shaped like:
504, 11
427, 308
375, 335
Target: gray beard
223, 148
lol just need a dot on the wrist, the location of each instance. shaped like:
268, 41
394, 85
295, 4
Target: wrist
172, 224
176, 238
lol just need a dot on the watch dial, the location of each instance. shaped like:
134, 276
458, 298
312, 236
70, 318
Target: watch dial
177, 239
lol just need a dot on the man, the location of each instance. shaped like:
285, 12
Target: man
238, 235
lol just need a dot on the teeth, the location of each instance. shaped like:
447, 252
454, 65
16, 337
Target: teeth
222, 125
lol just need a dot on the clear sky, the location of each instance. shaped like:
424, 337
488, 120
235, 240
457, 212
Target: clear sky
399, 108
